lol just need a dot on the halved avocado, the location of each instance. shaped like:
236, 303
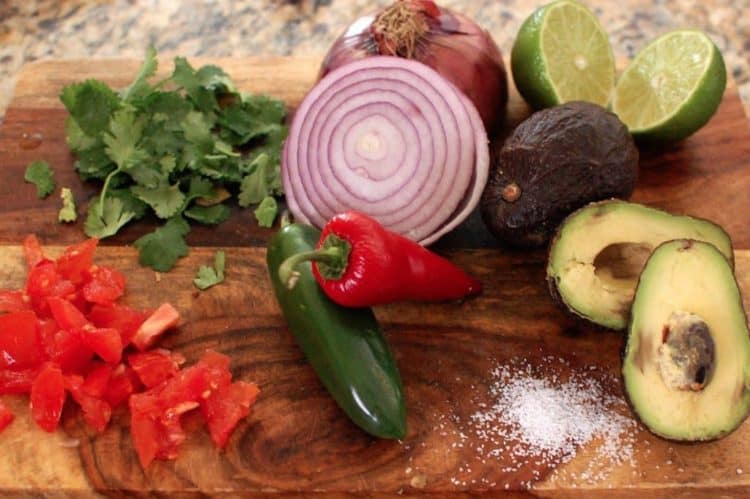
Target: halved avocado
687, 357
599, 251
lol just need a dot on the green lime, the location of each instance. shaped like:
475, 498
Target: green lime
672, 87
562, 54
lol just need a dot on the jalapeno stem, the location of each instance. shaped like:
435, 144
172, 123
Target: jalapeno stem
333, 257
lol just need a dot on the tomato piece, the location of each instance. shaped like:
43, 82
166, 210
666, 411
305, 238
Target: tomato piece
96, 412
226, 407
165, 317
66, 314
121, 317
47, 397
19, 340
44, 281
103, 285
155, 366
154, 438
32, 251
6, 417
105, 342
76, 260
64, 348
97, 380
122, 384
14, 382
14, 301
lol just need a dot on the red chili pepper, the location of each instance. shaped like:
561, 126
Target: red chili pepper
359, 263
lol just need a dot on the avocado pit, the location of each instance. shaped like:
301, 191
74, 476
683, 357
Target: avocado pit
686, 356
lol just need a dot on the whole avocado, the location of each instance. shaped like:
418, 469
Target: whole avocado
556, 161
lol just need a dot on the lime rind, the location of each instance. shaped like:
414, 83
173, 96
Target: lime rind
672, 87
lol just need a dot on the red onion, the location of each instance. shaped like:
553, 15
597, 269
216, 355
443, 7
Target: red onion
390, 138
452, 44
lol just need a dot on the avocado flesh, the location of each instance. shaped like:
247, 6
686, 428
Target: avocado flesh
599, 251
688, 278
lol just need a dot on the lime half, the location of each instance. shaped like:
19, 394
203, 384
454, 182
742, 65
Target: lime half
672, 87
562, 54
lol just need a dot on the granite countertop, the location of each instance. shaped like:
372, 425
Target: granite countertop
35, 29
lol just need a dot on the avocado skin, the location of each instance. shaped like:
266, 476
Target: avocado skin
561, 158
625, 349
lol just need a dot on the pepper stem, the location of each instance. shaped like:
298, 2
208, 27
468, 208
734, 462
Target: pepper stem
332, 258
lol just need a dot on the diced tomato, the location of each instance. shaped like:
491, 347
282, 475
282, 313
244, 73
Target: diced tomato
121, 317
6, 417
154, 438
226, 407
97, 380
96, 412
67, 316
14, 301
14, 382
47, 397
105, 342
19, 340
190, 385
155, 366
103, 285
122, 384
64, 348
32, 251
165, 317
44, 281
76, 260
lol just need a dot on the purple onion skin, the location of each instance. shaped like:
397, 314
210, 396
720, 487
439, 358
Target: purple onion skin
454, 46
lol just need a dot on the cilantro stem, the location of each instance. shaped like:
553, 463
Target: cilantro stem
104, 190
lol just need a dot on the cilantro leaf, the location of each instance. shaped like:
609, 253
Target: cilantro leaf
129, 202
252, 117
211, 276
90, 103
94, 163
185, 76
254, 186
165, 199
122, 139
40, 174
105, 220
140, 86
68, 211
161, 249
209, 215
266, 211
76, 138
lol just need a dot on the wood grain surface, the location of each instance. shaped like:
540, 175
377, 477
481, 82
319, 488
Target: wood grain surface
296, 441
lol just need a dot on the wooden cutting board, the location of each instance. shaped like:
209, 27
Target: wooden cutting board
296, 441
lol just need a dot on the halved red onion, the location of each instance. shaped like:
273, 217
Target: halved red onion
390, 138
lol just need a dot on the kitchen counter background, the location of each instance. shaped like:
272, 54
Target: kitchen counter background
36, 29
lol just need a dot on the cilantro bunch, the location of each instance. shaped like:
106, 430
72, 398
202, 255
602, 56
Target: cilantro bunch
176, 148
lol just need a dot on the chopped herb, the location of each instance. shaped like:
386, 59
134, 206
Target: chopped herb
68, 211
40, 174
172, 148
211, 276
266, 211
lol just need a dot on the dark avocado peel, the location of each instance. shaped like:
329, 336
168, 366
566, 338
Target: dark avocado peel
553, 163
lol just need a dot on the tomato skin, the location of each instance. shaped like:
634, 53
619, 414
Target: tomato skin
67, 316
226, 407
47, 397
77, 259
32, 251
155, 366
19, 340
14, 301
6, 417
165, 317
16, 382
103, 285
121, 317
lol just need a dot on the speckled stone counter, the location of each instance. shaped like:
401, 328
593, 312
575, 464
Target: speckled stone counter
34, 29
